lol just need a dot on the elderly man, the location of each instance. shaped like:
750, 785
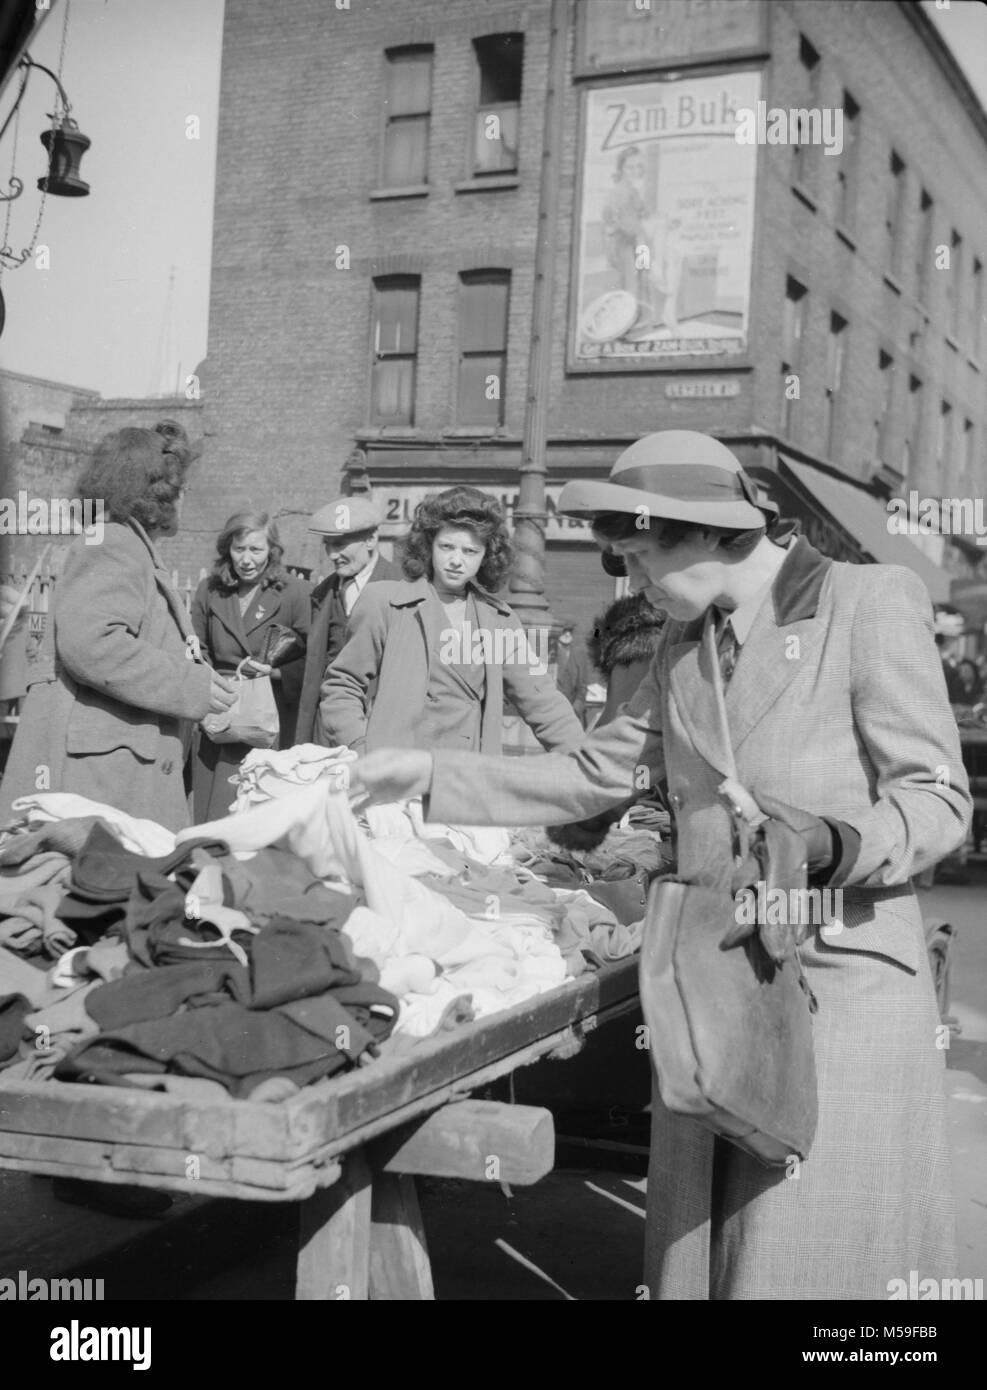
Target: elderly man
348, 527
836, 709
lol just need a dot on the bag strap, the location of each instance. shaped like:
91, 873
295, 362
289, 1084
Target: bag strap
709, 637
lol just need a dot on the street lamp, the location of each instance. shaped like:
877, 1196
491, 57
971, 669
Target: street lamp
64, 142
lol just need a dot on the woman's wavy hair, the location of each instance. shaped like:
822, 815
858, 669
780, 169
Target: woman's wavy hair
460, 509
223, 577
139, 474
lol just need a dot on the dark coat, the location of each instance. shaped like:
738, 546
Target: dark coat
226, 638
397, 635
328, 633
109, 711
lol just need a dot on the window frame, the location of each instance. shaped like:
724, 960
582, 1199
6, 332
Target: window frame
381, 284
393, 56
493, 275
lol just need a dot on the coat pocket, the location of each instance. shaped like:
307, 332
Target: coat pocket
890, 928
96, 726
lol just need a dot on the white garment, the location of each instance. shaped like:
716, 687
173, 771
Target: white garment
488, 844
424, 946
142, 836
266, 773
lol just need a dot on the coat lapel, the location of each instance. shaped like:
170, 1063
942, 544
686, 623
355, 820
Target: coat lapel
225, 608
264, 609
690, 682
779, 641
163, 581
783, 636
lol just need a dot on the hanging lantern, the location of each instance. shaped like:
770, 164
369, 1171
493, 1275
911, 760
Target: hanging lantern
66, 145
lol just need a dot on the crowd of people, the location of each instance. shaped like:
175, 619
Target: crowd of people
841, 738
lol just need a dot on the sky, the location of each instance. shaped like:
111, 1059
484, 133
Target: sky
135, 72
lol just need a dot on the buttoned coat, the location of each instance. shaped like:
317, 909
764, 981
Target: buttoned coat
109, 709
838, 706
329, 630
227, 637
397, 635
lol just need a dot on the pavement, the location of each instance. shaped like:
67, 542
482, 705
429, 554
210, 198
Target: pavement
578, 1234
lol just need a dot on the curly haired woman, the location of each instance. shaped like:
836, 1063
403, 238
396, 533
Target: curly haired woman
442, 649
116, 695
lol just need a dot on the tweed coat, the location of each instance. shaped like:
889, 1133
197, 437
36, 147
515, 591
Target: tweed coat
838, 706
328, 633
396, 637
227, 636
110, 704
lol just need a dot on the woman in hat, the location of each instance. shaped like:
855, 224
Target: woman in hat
249, 608
443, 650
840, 725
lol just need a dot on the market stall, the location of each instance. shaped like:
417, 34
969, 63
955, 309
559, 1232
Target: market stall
385, 975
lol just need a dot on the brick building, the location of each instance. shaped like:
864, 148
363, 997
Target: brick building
373, 268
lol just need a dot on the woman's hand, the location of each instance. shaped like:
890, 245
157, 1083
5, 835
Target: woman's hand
222, 693
390, 774
254, 667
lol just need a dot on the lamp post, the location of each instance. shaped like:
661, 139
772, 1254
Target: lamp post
527, 585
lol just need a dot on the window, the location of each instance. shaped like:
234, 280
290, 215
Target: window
924, 245
809, 74
793, 323
408, 105
894, 211
500, 58
483, 297
885, 369
975, 336
846, 173
913, 429
954, 285
835, 350
942, 438
395, 349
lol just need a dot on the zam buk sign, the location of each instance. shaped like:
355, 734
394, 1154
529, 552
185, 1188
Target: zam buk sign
665, 223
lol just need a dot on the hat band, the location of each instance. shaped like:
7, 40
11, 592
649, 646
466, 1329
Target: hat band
688, 482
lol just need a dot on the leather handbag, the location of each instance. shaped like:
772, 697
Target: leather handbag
729, 1012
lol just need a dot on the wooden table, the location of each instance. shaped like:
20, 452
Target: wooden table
348, 1148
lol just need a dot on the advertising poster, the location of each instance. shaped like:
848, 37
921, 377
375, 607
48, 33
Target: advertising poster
664, 226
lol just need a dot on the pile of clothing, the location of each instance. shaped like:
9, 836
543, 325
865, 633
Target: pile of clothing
268, 949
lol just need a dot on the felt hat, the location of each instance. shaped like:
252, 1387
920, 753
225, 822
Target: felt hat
675, 475
346, 516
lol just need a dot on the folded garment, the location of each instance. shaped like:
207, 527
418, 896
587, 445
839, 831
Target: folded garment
266, 774
14, 1008
66, 837
240, 1048
594, 930
144, 836
34, 926
162, 992
20, 976
276, 883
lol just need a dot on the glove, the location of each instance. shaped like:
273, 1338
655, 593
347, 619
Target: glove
815, 832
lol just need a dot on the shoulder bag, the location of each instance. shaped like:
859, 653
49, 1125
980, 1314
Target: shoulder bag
729, 1013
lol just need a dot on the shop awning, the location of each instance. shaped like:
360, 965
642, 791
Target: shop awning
866, 520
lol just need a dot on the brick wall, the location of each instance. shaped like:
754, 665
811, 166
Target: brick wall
299, 151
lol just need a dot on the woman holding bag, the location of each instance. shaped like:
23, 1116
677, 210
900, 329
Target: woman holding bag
833, 706
246, 605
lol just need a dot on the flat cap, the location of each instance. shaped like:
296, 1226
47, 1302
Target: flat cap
346, 516
676, 475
